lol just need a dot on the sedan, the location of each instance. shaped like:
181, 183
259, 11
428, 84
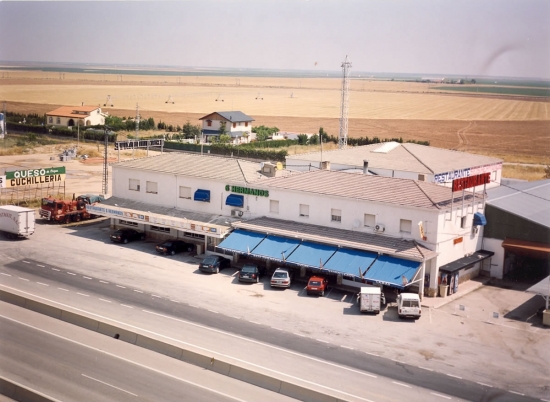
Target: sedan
213, 264
174, 246
316, 286
281, 278
126, 235
249, 273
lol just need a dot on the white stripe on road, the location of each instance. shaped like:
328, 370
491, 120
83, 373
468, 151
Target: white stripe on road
346, 347
1, 273
455, 376
23, 279
120, 389
65, 290
403, 385
424, 368
485, 385
321, 340
212, 311
108, 301
26, 262
517, 393
70, 273
41, 266
442, 396
43, 284
103, 281
82, 294
372, 354
86, 277
156, 296
125, 305
139, 291
55, 269
120, 286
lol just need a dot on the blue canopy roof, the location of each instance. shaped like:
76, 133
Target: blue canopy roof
391, 271
202, 195
479, 219
350, 261
276, 247
242, 241
312, 254
235, 200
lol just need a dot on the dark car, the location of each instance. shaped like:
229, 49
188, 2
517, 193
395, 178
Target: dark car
214, 263
250, 273
174, 246
126, 235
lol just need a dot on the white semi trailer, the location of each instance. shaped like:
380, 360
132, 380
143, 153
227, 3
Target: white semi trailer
16, 221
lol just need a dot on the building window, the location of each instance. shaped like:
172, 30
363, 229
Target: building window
185, 192
246, 124
127, 223
274, 206
58, 120
193, 235
405, 226
134, 184
151, 187
304, 210
234, 125
50, 120
463, 221
209, 123
336, 215
421, 177
369, 220
160, 229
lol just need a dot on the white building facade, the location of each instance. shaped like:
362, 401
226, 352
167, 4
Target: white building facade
237, 125
69, 116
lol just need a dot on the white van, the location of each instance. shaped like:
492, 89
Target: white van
408, 305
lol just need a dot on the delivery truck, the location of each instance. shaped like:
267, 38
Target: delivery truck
16, 221
371, 299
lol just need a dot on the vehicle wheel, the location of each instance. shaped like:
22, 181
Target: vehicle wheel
76, 218
67, 219
217, 270
322, 293
125, 241
400, 317
172, 252
258, 279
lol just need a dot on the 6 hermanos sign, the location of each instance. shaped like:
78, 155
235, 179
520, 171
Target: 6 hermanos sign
33, 176
246, 190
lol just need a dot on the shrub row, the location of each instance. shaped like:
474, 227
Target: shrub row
230, 150
96, 135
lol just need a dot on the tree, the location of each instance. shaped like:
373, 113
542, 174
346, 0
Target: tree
263, 132
547, 172
223, 129
323, 135
191, 131
314, 139
224, 139
302, 139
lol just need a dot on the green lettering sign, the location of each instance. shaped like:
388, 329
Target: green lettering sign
23, 174
246, 190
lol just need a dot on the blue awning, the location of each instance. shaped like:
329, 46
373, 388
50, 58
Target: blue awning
392, 271
479, 219
241, 241
349, 261
235, 200
313, 255
202, 195
276, 247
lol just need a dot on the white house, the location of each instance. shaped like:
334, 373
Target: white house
397, 232
72, 116
407, 161
237, 125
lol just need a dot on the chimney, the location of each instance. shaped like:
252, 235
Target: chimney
365, 166
325, 165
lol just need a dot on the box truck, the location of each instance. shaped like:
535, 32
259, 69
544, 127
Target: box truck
371, 299
16, 221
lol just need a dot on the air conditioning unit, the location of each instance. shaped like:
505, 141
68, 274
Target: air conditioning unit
236, 212
379, 228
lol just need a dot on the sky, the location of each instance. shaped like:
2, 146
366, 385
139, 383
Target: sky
509, 38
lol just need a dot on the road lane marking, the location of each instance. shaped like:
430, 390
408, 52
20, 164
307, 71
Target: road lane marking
82, 294
403, 385
397, 361
41, 266
192, 305
485, 385
255, 322
65, 290
517, 393
156, 296
125, 305
278, 329
343, 298
302, 335
372, 354
455, 376
442, 396
424, 368
108, 301
71, 273
321, 340
139, 291
172, 300
86, 277
120, 286
346, 347
1, 273
212, 311
43, 284
23, 279
26, 262
55, 269
120, 389
210, 352
103, 281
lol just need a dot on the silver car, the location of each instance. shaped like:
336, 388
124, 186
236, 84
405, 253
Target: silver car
281, 278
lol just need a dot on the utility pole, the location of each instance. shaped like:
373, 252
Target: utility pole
105, 181
344, 106
137, 129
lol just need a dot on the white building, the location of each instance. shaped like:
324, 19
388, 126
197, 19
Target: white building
237, 125
397, 232
405, 161
72, 116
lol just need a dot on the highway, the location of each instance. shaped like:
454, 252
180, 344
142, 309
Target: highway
352, 374
72, 364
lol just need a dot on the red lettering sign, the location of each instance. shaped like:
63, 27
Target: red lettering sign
471, 181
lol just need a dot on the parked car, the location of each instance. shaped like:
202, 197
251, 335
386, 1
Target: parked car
281, 278
408, 305
127, 234
250, 273
174, 246
317, 285
213, 264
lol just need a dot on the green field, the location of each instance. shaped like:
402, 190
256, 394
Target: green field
497, 90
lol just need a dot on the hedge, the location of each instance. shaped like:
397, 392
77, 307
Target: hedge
229, 150
62, 131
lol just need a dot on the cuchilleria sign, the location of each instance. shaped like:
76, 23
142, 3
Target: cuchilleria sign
27, 177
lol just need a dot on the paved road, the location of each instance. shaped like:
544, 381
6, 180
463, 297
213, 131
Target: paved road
72, 364
363, 376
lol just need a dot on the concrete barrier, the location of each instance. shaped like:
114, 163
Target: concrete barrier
265, 381
80, 320
159, 346
112, 331
19, 392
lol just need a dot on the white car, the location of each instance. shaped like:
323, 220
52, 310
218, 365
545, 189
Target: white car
281, 278
408, 305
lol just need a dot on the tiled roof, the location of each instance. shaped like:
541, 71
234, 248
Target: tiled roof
232, 116
203, 166
403, 157
407, 249
72, 111
382, 189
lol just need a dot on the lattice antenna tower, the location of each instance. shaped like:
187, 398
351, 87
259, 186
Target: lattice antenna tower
344, 106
